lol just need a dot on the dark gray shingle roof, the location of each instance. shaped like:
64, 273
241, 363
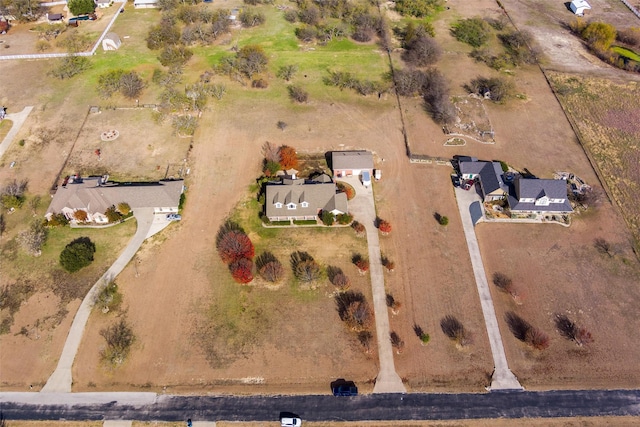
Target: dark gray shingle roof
351, 160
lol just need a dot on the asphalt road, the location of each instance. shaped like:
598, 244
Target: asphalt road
101, 406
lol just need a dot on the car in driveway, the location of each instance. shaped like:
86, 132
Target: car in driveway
290, 422
174, 217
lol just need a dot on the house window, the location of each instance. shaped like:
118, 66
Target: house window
304, 204
278, 205
291, 206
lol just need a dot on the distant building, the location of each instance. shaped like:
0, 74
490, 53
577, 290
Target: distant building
111, 41
103, 4
489, 174
145, 4
579, 7
54, 17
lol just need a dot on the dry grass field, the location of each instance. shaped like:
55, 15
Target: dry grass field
607, 117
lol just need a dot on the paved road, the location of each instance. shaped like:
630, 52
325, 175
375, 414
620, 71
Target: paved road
470, 213
61, 380
149, 407
18, 120
362, 207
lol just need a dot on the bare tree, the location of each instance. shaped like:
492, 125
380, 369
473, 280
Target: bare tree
396, 342
34, 238
525, 332
271, 152
454, 329
603, 246
505, 284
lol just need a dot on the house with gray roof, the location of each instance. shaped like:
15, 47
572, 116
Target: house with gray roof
303, 199
539, 197
351, 163
490, 177
95, 195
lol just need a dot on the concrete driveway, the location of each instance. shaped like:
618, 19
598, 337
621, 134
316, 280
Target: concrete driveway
362, 207
470, 207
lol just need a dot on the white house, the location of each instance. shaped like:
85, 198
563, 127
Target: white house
579, 7
103, 4
145, 4
111, 41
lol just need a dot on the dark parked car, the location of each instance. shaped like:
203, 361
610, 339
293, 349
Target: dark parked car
345, 390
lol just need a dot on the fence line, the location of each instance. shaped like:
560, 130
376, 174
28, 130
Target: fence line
631, 8
62, 55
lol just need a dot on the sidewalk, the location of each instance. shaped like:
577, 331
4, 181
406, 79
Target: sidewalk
362, 208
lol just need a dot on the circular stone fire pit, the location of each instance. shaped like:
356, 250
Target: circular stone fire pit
109, 135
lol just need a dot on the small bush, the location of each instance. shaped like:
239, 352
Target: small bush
119, 337
81, 215
354, 310
473, 31
387, 263
77, 254
269, 267
497, 88
454, 329
360, 262
504, 283
327, 218
112, 214
298, 94
305, 268
344, 219
443, 220
109, 298
358, 228
383, 226
396, 342
525, 332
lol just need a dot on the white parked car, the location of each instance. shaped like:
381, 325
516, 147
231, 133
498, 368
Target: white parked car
290, 422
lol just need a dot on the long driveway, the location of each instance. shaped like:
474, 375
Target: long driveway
362, 207
469, 204
414, 406
18, 120
61, 379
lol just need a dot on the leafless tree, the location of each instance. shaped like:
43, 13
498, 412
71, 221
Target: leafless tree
271, 152
603, 246
34, 238
454, 329
396, 342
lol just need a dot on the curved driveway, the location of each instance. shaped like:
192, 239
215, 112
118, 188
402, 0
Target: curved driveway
61, 379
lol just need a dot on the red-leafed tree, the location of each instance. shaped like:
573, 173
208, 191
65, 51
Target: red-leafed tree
234, 245
242, 270
384, 226
288, 157
360, 262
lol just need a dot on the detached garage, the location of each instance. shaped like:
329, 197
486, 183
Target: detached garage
351, 163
